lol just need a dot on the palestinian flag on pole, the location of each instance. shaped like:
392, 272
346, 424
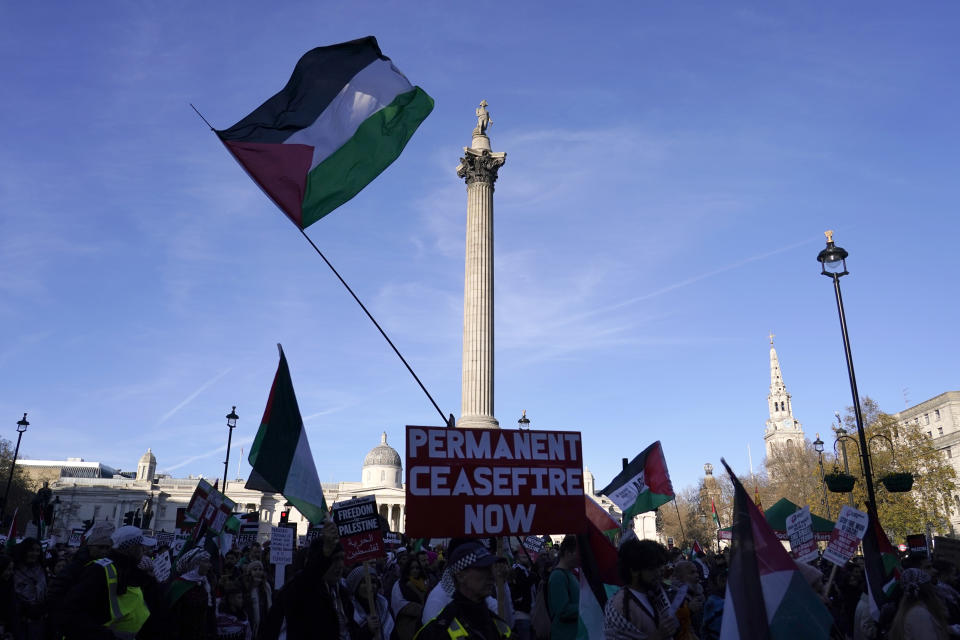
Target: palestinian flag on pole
598, 566
280, 455
643, 485
345, 114
767, 596
714, 514
882, 565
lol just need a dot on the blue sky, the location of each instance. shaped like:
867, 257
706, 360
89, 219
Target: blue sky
670, 173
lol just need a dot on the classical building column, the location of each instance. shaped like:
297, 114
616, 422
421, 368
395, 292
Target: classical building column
478, 167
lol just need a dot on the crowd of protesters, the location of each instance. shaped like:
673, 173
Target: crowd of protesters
107, 588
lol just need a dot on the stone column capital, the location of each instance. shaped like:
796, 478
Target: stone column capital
480, 165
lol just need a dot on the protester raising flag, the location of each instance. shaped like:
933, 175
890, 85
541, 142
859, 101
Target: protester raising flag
345, 114
643, 485
767, 596
280, 455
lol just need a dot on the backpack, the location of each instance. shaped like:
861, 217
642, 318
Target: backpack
540, 619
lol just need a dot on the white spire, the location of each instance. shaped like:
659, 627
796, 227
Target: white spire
782, 429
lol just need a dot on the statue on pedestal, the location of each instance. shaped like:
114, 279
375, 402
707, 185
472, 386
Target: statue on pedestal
483, 119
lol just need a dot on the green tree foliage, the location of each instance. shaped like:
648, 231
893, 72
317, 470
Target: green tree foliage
20, 494
897, 448
697, 523
795, 474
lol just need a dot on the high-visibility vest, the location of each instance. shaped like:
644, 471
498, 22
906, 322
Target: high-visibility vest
456, 630
128, 612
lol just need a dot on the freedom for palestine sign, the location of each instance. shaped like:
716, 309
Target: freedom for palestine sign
493, 482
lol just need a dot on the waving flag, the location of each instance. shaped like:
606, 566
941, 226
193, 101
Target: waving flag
643, 485
598, 566
345, 114
280, 455
714, 514
767, 597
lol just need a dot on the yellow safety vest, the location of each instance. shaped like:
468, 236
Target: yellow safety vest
456, 629
128, 612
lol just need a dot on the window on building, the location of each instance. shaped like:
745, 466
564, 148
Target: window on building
926, 418
383, 475
929, 434
916, 420
936, 414
949, 452
957, 500
940, 431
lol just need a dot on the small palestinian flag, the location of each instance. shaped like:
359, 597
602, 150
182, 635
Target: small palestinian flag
714, 514
345, 114
280, 455
643, 485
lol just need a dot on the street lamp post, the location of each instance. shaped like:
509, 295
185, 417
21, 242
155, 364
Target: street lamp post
22, 425
833, 264
818, 447
524, 421
840, 431
232, 418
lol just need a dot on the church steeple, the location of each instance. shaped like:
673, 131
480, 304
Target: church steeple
782, 429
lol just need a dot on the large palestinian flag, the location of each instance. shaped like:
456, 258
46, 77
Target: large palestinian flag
767, 596
280, 455
643, 485
345, 114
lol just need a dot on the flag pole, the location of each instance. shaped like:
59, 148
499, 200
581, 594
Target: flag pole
448, 421
680, 520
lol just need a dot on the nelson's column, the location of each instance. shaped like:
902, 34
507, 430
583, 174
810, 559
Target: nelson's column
478, 167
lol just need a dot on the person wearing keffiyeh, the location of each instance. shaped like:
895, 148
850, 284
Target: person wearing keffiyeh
921, 614
190, 599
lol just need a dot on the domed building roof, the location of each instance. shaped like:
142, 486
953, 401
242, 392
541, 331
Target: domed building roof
148, 457
382, 455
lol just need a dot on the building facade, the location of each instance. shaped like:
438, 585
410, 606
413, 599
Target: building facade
939, 419
92, 491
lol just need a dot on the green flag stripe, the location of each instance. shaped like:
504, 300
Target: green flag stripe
646, 501
377, 143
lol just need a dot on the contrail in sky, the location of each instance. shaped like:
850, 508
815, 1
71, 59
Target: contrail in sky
193, 395
207, 454
690, 280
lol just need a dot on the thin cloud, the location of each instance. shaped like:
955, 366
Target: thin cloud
206, 385
200, 456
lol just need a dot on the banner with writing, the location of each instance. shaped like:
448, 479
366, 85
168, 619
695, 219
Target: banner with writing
209, 506
803, 547
846, 535
359, 529
493, 482
281, 545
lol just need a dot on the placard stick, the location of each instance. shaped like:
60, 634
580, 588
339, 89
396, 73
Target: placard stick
278, 572
371, 601
501, 591
826, 590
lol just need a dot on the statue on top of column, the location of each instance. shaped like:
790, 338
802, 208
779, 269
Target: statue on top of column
483, 119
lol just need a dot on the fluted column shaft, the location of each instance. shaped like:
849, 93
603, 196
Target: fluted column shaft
479, 168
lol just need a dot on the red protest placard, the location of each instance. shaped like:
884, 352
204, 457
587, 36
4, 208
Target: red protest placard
359, 529
846, 536
493, 482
